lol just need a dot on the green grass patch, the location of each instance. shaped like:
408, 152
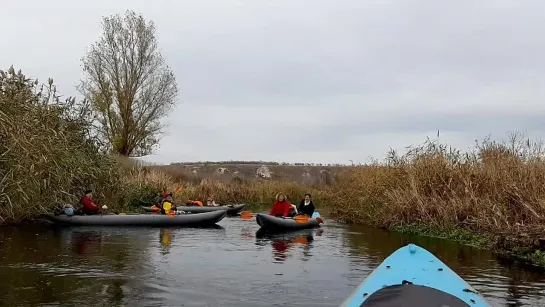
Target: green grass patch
457, 234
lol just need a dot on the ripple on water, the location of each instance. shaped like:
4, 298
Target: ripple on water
226, 266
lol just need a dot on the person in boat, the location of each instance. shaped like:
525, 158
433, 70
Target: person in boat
167, 206
88, 206
306, 206
194, 203
158, 201
210, 202
281, 207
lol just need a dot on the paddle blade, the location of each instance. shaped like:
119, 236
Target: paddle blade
178, 189
246, 215
301, 240
320, 221
301, 218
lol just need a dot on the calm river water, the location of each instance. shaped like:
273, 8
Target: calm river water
227, 266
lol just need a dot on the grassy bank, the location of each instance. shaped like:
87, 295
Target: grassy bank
494, 194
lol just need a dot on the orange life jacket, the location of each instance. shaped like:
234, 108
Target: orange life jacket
195, 202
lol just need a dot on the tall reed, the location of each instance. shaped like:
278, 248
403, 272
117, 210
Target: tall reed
497, 188
47, 153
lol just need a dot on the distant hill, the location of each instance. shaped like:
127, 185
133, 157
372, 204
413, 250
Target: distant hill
254, 162
307, 173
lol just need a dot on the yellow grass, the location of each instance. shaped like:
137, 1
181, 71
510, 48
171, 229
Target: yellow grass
497, 189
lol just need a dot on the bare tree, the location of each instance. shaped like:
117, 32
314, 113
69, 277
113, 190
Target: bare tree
130, 87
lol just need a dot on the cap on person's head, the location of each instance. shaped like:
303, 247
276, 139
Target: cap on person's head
88, 191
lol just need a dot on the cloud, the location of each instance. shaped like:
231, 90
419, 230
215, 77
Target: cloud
318, 81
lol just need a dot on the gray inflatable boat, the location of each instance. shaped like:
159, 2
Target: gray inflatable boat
271, 223
231, 209
183, 220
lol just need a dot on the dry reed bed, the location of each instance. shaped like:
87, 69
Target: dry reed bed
254, 192
497, 189
46, 156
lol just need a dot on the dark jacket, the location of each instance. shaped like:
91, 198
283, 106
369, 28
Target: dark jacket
306, 210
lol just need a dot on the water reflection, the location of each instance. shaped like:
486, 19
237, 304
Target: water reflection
247, 232
165, 238
282, 242
81, 241
125, 266
85, 266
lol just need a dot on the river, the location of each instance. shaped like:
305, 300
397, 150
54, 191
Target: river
225, 266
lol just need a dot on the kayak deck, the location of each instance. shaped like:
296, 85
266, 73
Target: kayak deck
412, 276
187, 220
272, 223
231, 210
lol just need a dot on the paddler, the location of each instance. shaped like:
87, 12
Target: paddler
167, 206
281, 207
89, 207
306, 206
158, 202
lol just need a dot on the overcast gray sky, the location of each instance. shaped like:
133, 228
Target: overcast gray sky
312, 80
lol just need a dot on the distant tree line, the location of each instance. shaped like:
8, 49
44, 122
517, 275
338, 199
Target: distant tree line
269, 163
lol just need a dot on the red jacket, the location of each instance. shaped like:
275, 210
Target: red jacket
281, 208
88, 204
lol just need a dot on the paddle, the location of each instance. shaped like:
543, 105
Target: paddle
301, 218
177, 190
246, 215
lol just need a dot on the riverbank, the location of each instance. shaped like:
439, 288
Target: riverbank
492, 197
